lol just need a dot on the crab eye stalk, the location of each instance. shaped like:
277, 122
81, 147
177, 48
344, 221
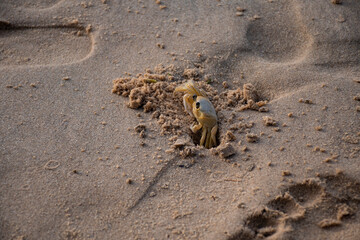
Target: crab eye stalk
194, 97
197, 105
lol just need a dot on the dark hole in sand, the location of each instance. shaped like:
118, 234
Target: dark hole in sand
195, 137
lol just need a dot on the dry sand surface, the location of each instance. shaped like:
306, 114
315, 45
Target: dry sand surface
92, 147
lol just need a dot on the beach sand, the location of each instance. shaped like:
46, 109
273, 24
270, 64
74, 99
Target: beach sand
80, 158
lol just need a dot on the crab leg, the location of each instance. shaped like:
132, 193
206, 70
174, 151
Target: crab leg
213, 135
203, 136
208, 139
196, 128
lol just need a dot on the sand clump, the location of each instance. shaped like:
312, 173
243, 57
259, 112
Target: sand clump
192, 73
269, 121
141, 128
250, 92
252, 138
154, 92
241, 126
344, 211
230, 136
181, 142
327, 223
306, 101
224, 150
243, 99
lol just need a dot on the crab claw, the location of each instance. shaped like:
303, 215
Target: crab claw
190, 88
188, 101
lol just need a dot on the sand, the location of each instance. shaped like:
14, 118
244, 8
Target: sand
83, 158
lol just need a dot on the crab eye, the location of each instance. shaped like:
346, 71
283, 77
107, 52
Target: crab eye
197, 105
194, 97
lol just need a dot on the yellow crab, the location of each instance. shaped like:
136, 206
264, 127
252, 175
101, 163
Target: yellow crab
197, 104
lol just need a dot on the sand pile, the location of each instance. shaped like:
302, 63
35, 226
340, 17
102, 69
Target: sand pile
153, 91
